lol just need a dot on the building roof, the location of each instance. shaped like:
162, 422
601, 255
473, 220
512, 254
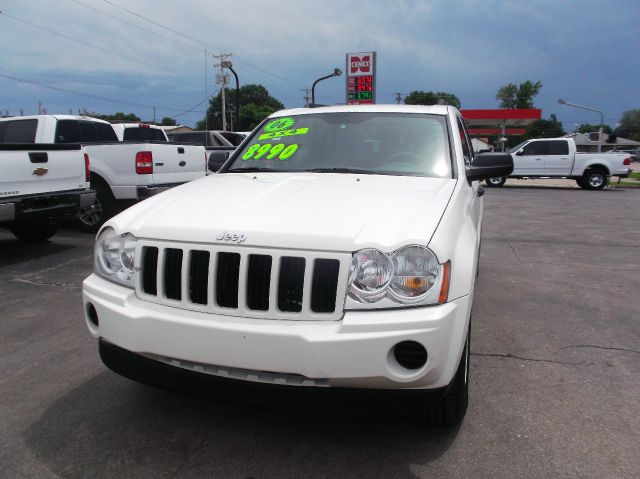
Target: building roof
500, 121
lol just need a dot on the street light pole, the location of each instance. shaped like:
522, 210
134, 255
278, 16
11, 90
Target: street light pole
336, 73
228, 65
564, 102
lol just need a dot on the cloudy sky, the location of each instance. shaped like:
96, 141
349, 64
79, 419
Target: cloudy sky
125, 55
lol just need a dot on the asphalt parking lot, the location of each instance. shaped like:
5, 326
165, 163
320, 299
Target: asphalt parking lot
555, 371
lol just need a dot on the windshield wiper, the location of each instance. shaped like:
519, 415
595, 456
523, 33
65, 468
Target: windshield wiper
342, 170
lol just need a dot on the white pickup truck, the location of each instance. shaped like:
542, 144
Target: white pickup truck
40, 184
558, 158
139, 132
334, 255
121, 171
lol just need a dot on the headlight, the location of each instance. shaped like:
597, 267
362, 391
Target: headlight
370, 274
114, 256
410, 275
416, 269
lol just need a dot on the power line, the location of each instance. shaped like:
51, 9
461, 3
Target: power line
89, 44
190, 109
89, 95
155, 23
196, 40
135, 25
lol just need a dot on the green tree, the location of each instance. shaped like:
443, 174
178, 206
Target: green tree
419, 97
168, 121
630, 125
550, 128
116, 117
255, 105
521, 96
588, 128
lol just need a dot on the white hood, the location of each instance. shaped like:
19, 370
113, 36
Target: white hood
316, 211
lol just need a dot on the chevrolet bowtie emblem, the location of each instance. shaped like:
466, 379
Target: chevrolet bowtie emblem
40, 171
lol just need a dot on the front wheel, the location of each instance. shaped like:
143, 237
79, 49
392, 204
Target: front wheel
594, 180
496, 182
453, 406
34, 233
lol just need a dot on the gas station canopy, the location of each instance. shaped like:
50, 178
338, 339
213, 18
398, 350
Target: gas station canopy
503, 122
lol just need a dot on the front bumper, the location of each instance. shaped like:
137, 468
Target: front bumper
355, 352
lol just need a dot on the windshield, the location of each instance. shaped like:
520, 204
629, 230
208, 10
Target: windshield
375, 143
143, 134
517, 147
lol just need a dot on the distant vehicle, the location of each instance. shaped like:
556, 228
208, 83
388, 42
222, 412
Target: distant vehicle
209, 138
139, 132
219, 144
634, 153
40, 184
121, 172
558, 158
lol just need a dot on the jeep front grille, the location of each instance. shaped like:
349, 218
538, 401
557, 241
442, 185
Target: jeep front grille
243, 281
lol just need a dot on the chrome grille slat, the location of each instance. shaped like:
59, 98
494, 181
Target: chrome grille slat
199, 280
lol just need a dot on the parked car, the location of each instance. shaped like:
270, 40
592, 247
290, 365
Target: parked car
40, 184
327, 257
558, 158
122, 172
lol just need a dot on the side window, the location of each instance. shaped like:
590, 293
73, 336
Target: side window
467, 148
18, 131
87, 132
558, 148
104, 132
68, 131
535, 148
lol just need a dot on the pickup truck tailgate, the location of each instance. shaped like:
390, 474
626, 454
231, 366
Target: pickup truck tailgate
176, 163
29, 169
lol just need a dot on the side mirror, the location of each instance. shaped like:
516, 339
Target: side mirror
520, 152
217, 159
489, 165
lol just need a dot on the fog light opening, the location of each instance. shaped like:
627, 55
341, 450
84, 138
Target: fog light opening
410, 355
92, 314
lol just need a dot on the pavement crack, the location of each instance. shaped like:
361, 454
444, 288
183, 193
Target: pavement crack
522, 358
605, 348
513, 250
45, 283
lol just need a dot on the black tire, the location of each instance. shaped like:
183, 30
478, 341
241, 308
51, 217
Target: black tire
453, 406
594, 179
91, 219
34, 233
496, 182
580, 182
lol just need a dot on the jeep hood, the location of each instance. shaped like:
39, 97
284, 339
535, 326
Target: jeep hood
317, 211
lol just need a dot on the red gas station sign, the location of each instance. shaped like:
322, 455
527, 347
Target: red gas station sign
361, 78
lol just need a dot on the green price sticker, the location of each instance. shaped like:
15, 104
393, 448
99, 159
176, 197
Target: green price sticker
270, 152
279, 124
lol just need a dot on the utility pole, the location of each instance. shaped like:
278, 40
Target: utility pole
307, 96
223, 57
39, 107
398, 98
206, 92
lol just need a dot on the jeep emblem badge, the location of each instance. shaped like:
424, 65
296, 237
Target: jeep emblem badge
232, 237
